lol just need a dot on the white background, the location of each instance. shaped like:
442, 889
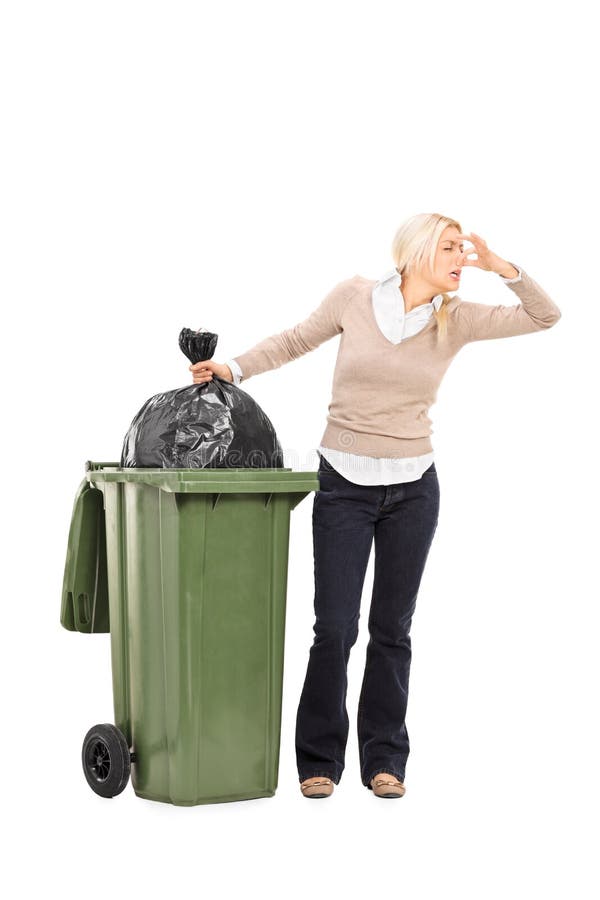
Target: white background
192, 164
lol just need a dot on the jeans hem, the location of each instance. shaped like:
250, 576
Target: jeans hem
334, 778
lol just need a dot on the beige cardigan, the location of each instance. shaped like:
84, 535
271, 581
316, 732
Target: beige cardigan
381, 391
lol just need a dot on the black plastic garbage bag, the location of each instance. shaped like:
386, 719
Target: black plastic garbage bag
211, 425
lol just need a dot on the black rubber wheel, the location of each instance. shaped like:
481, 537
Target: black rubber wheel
106, 760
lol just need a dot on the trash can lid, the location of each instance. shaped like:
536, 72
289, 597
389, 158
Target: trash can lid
209, 481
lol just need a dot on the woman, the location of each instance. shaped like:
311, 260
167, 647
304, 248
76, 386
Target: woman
378, 481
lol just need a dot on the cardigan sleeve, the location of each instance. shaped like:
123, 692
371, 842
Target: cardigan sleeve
536, 312
323, 323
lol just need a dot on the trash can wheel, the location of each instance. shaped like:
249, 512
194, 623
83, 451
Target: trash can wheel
106, 760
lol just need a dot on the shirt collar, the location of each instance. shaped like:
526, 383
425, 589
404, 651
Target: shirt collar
394, 275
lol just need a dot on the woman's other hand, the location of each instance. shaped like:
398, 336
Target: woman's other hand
205, 369
486, 258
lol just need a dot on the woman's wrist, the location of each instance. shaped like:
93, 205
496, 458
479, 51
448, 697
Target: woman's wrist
506, 270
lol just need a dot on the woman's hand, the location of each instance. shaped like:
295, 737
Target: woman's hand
486, 258
204, 370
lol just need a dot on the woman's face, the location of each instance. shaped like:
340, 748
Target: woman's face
448, 259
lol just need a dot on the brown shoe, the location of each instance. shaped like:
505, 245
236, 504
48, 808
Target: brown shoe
385, 785
317, 787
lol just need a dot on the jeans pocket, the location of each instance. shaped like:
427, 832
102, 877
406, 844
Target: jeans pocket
325, 465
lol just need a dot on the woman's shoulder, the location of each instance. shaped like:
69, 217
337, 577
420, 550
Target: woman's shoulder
454, 302
359, 281
357, 284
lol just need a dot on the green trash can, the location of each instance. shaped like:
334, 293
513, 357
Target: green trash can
187, 569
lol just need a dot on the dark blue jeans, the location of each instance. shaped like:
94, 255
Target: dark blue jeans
401, 519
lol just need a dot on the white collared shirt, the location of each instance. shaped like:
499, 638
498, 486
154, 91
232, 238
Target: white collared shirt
389, 308
396, 324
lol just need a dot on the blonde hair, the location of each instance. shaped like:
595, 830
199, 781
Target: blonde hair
414, 244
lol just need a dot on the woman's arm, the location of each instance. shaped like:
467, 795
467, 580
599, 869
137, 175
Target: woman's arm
535, 312
235, 370
323, 323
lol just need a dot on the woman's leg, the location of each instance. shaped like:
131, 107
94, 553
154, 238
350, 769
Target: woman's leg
343, 524
404, 532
